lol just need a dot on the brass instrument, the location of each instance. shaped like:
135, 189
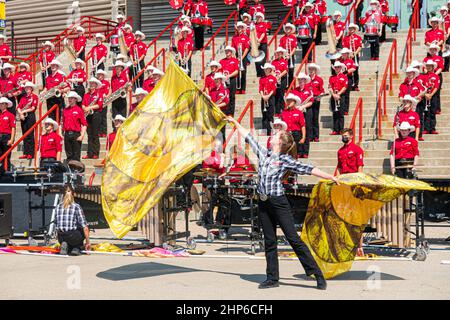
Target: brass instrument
337, 103
138, 64
301, 107
241, 67
290, 58
255, 54
277, 74
446, 52
332, 53
353, 48
122, 44
94, 63
9, 91
90, 111
53, 92
185, 59
44, 62
75, 81
226, 74
69, 49
266, 103
119, 93
23, 115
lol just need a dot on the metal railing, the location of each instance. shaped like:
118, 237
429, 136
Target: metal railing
302, 65
412, 33
248, 108
274, 39
359, 110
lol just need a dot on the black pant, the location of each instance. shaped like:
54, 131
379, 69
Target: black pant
241, 81
315, 120
430, 115
93, 121
302, 148
104, 121
258, 65
404, 173
356, 78
232, 90
82, 55
268, 113
101, 66
308, 122
72, 146
140, 81
383, 33
318, 39
359, 11
420, 111
80, 89
279, 95
51, 102
74, 238
338, 116
276, 210
28, 142
374, 46
119, 106
4, 138
306, 43
347, 93
199, 36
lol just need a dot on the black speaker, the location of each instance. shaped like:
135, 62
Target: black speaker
5, 215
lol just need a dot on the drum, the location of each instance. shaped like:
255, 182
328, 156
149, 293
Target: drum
207, 22
196, 21
371, 30
392, 21
304, 32
114, 41
324, 19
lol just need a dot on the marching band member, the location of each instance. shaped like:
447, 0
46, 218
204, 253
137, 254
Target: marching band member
77, 77
289, 43
309, 20
79, 43
239, 160
384, 7
320, 8
350, 69
404, 151
273, 205
23, 76
408, 114
230, 69
50, 144
7, 130
209, 79
128, 36
105, 90
337, 86
241, 43
267, 90
247, 19
261, 34
99, 54
74, 126
139, 94
138, 50
435, 35
5, 50
26, 110
149, 82
353, 42
92, 106
281, 70
199, 9
433, 54
316, 86
45, 58
157, 74
410, 85
57, 78
303, 91
350, 156
118, 120
339, 28
9, 86
243, 7
119, 80
258, 7
431, 97
124, 59
220, 95
120, 24
185, 51
373, 16
446, 18
293, 116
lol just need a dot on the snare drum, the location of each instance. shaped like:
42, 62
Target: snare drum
114, 41
207, 22
371, 30
392, 21
304, 32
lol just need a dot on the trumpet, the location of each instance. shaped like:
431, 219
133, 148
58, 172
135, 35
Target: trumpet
185, 60
44, 62
353, 48
337, 103
226, 74
119, 93
74, 81
277, 74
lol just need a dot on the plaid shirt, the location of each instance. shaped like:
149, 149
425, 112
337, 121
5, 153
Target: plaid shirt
70, 218
272, 168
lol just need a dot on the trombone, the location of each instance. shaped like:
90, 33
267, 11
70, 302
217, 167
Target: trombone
138, 64
94, 63
241, 67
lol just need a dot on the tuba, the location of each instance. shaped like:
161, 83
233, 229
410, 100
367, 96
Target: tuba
332, 53
69, 49
122, 44
255, 54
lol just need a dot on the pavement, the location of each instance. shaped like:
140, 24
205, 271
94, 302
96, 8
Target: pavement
233, 273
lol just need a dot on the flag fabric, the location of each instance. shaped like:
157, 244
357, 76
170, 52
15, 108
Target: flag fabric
337, 215
171, 131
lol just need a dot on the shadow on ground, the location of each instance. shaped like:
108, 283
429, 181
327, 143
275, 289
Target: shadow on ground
356, 275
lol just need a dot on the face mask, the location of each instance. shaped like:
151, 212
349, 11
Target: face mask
345, 139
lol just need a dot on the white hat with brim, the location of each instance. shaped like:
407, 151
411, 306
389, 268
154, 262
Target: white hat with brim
304, 76
52, 122
29, 84
120, 16
188, 21
434, 46
345, 51
150, 68
240, 24
443, 8
246, 15
411, 69
352, 25
430, 62
406, 126
281, 49
185, 29
73, 94
434, 19
338, 64
215, 64
78, 60
101, 71
55, 63
309, 4
294, 97
260, 14
24, 65
315, 66
95, 80
289, 25
416, 64
230, 48
140, 91
127, 26
268, 66
120, 64
157, 72
279, 122
81, 29
119, 117
100, 35
121, 57
140, 34
5, 100
48, 43
219, 75
374, 2
2, 36
7, 66
409, 98
337, 13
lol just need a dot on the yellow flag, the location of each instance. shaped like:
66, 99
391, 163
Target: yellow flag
337, 215
170, 132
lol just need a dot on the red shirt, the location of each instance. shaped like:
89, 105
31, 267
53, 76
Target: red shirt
411, 117
49, 55
104, 89
352, 42
214, 161
349, 63
238, 40
294, 119
321, 7
409, 87
304, 93
229, 65
73, 119
96, 96
241, 163
350, 157
434, 35
209, 82
50, 145
438, 59
406, 148
201, 7
339, 28
79, 43
110, 141
243, 4
421, 81
372, 14
129, 39
54, 80
118, 81
310, 19
434, 82
185, 46
33, 99
281, 65
261, 29
8, 84
79, 74
257, 8
7, 122
100, 50
148, 84
268, 84
220, 93
24, 76
141, 49
316, 85
5, 50
384, 4
288, 42
338, 82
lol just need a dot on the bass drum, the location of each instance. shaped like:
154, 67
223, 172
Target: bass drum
345, 2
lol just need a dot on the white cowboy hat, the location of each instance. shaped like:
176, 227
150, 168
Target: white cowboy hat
289, 25
309, 4
294, 97
101, 71
120, 16
79, 28
337, 13
246, 15
230, 48
345, 50
241, 24
434, 46
140, 91
127, 26
434, 19
156, 71
281, 49
119, 117
2, 36
150, 68
48, 43
416, 64
53, 63
29, 84
315, 66
268, 66
121, 57
78, 60
352, 25
338, 64
185, 29
409, 98
7, 66
120, 64
52, 122
260, 14
73, 94
139, 33
219, 75
25, 65
280, 122
6, 100
100, 35
374, 2
95, 80
215, 64
303, 75
187, 20
443, 8
406, 126
411, 69
430, 62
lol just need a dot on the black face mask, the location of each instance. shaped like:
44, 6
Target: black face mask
345, 139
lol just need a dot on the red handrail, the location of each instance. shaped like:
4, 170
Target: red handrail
274, 38
349, 15
29, 131
212, 40
359, 110
248, 108
304, 62
391, 70
412, 33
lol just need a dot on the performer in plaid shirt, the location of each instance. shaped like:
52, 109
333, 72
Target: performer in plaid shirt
71, 225
274, 207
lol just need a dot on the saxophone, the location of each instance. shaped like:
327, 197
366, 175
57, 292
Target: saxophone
53, 92
90, 111
119, 93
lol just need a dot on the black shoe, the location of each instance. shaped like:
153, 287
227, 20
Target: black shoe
321, 282
75, 252
268, 284
64, 247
